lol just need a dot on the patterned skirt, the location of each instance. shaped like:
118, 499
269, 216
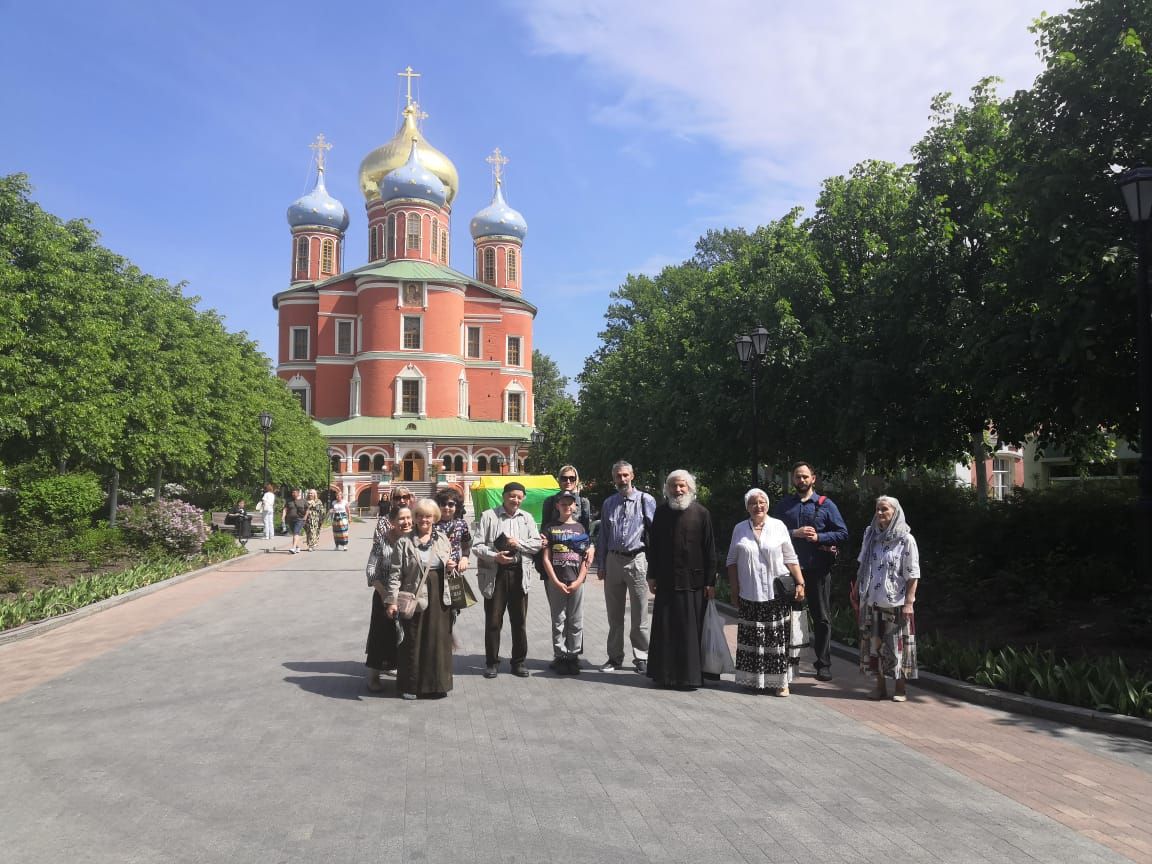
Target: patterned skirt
887, 642
340, 528
762, 638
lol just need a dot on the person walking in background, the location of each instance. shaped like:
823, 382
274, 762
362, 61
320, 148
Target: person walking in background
340, 521
565, 569
295, 511
504, 548
381, 645
267, 506
761, 551
313, 519
623, 567
886, 583
419, 564
682, 575
817, 529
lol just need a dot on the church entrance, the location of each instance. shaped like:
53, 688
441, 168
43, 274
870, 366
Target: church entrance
413, 467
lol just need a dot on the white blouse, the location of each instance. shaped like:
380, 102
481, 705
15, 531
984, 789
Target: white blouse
759, 561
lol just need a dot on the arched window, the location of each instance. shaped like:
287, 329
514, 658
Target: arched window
378, 462
482, 464
479, 263
302, 258
496, 464
511, 265
327, 256
490, 266
364, 464
458, 464
435, 238
444, 245
413, 231
447, 463
373, 242
392, 236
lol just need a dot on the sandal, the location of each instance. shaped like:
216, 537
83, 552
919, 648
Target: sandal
782, 692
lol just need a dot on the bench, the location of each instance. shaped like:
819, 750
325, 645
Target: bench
256, 522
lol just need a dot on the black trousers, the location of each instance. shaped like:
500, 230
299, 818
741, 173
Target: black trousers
508, 594
818, 590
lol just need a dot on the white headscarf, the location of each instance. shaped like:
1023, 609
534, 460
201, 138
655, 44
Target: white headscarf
896, 531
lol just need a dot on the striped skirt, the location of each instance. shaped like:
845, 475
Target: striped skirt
762, 638
887, 642
340, 528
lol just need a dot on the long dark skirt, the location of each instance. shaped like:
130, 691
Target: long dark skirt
424, 658
762, 638
674, 645
381, 646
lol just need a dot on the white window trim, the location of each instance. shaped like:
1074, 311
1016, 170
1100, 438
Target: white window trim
515, 387
351, 324
307, 343
410, 373
508, 351
479, 342
462, 391
354, 393
420, 319
299, 382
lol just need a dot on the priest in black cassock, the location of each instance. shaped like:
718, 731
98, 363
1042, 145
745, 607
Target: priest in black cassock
682, 574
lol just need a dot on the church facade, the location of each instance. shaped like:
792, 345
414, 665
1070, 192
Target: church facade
413, 371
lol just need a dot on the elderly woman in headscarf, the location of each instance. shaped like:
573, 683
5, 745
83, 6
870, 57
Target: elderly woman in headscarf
761, 552
886, 582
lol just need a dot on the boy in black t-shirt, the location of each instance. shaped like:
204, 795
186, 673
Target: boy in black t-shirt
565, 568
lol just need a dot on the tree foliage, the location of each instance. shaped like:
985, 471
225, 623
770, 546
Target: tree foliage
986, 288
104, 367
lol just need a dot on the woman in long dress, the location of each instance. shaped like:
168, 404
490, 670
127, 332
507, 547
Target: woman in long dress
339, 511
381, 645
886, 583
313, 519
760, 552
419, 565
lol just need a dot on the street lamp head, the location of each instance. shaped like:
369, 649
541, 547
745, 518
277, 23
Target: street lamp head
1136, 187
744, 348
265, 421
537, 437
760, 342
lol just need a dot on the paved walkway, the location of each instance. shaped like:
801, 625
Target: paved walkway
225, 719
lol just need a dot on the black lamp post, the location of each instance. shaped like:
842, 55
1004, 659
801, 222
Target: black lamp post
265, 427
752, 349
1136, 186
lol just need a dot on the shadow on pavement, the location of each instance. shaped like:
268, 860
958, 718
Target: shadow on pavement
336, 679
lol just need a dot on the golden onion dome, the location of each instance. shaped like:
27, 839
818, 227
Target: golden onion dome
395, 153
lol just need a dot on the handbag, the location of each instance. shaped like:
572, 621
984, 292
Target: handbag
408, 603
715, 655
460, 591
784, 587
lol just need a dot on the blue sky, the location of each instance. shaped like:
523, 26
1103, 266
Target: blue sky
181, 130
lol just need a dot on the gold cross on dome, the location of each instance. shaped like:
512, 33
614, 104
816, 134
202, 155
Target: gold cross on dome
320, 145
409, 74
497, 160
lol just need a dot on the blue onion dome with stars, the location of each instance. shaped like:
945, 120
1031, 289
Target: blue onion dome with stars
413, 180
318, 208
498, 219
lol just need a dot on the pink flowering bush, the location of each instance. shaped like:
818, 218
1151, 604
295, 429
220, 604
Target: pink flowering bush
170, 523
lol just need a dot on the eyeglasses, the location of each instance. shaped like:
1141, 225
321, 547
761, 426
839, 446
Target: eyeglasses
448, 504
567, 479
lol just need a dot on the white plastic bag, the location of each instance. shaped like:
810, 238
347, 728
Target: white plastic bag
715, 656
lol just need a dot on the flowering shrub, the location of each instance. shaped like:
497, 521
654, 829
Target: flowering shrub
175, 525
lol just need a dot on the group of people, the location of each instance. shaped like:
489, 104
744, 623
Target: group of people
304, 517
778, 558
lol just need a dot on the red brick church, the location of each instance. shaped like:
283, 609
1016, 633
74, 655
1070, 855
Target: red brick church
412, 370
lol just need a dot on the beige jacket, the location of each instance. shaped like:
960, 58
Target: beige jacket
406, 569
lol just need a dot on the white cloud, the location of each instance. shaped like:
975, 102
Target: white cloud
796, 94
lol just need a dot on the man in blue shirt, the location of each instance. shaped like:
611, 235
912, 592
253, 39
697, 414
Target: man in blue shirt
817, 529
622, 565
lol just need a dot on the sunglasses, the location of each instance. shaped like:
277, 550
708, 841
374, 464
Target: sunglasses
567, 479
449, 504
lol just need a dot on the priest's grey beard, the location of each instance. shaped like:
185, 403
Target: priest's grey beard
682, 502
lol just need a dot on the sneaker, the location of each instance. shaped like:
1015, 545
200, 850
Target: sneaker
823, 674
519, 670
409, 697
610, 666
490, 671
641, 667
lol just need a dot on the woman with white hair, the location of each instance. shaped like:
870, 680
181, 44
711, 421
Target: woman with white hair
682, 574
886, 584
761, 552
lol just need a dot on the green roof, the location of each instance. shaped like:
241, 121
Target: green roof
420, 271
438, 428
